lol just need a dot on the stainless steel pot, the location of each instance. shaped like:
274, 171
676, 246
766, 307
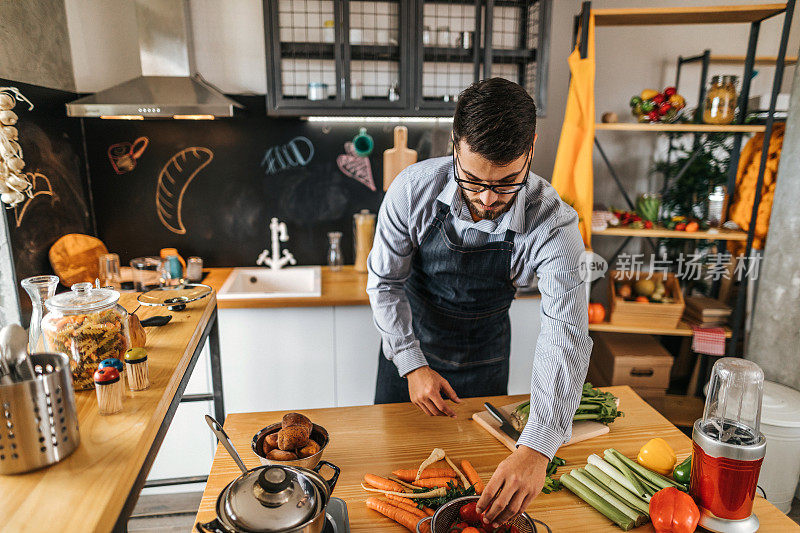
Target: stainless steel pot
271, 498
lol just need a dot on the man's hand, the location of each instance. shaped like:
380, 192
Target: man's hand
425, 386
517, 481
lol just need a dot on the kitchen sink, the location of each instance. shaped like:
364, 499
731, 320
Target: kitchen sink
289, 282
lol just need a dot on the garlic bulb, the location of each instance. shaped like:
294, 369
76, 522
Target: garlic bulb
13, 184
6, 101
12, 198
9, 132
8, 118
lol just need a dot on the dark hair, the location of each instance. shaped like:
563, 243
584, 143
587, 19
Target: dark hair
496, 118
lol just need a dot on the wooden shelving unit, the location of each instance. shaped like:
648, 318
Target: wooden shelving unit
683, 329
663, 233
660, 16
760, 60
688, 128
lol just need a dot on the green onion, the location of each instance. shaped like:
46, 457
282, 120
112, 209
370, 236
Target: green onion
586, 494
628, 473
654, 478
601, 491
629, 497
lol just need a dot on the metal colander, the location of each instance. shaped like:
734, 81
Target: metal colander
447, 515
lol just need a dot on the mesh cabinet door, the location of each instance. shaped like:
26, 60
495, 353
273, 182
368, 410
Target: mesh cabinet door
304, 57
377, 73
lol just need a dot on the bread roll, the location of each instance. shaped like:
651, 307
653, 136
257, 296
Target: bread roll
309, 449
292, 438
296, 419
281, 455
272, 439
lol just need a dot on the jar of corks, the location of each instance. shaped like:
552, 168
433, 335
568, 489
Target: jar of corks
138, 371
363, 235
109, 390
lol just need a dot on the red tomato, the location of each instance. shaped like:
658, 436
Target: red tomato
659, 98
648, 224
597, 313
469, 514
669, 91
653, 116
471, 529
642, 299
681, 226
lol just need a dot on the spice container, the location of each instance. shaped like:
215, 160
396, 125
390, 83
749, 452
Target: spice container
720, 102
716, 206
335, 258
363, 235
109, 390
138, 371
88, 326
112, 363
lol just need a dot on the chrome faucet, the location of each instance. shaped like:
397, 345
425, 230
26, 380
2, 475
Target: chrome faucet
279, 235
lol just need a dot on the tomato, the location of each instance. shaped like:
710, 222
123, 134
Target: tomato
597, 313
692, 226
642, 299
664, 107
659, 98
653, 116
648, 224
471, 529
680, 226
469, 514
669, 91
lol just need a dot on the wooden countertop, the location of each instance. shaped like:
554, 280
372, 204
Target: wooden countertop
87, 490
380, 438
345, 287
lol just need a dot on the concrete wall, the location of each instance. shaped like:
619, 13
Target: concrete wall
775, 340
34, 43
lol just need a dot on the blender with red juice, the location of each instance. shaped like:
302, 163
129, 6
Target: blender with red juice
728, 447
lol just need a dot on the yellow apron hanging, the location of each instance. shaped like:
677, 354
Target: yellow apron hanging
572, 173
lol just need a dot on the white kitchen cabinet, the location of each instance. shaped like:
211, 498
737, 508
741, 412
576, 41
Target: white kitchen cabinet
277, 358
525, 316
357, 343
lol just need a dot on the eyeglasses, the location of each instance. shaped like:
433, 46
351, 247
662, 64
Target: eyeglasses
474, 186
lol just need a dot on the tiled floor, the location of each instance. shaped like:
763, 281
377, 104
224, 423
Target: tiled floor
183, 507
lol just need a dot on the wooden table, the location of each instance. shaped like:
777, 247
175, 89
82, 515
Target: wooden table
96, 488
381, 438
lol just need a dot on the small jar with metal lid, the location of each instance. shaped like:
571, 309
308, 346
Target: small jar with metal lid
109, 390
138, 371
88, 325
720, 103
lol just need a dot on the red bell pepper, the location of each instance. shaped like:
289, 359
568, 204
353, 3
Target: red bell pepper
673, 511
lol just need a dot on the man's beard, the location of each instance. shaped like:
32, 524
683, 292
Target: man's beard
478, 210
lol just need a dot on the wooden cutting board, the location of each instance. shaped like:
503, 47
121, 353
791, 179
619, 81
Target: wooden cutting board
397, 158
582, 430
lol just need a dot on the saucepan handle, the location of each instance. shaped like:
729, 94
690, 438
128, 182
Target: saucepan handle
210, 527
334, 478
426, 519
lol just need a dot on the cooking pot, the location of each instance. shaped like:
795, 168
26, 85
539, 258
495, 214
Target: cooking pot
271, 498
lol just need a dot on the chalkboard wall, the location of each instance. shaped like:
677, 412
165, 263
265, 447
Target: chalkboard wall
209, 188
52, 146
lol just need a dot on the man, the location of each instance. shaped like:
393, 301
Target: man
455, 237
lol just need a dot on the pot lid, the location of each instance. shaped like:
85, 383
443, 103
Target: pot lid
170, 296
779, 406
272, 498
83, 298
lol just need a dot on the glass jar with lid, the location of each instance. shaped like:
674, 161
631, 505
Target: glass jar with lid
720, 103
88, 325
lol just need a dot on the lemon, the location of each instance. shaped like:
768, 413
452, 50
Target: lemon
647, 94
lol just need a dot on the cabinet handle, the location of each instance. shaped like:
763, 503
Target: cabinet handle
642, 372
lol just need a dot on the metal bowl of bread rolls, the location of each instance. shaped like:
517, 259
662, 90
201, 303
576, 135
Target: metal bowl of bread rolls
294, 441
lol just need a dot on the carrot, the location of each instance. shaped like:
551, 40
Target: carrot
400, 499
438, 492
401, 516
411, 508
434, 482
382, 483
472, 475
406, 474
428, 511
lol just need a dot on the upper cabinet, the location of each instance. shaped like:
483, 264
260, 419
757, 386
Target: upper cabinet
401, 57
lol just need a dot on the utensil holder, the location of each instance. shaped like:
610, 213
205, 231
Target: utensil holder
39, 418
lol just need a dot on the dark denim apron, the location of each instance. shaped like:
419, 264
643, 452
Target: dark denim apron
459, 301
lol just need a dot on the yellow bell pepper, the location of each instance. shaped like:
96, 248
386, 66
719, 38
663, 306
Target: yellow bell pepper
658, 456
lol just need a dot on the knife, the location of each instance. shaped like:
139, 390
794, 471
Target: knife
505, 425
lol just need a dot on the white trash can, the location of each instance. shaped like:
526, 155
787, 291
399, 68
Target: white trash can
780, 423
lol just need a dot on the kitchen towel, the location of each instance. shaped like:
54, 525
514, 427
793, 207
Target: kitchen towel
572, 173
709, 341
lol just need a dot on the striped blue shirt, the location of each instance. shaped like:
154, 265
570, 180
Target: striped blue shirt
547, 244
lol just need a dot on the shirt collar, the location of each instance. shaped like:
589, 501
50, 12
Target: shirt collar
513, 219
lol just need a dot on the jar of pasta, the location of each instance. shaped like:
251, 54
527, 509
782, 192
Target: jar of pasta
720, 103
87, 325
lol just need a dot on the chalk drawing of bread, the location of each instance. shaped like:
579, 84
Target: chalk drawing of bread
173, 180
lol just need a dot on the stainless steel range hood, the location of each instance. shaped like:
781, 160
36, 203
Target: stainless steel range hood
169, 86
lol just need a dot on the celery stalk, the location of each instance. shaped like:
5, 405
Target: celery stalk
628, 473
611, 498
608, 510
627, 496
616, 475
653, 477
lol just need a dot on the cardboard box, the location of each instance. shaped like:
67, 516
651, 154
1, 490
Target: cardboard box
630, 359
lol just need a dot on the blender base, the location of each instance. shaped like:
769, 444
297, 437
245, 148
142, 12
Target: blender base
722, 525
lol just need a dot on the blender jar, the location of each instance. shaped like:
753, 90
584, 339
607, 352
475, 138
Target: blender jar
88, 325
728, 446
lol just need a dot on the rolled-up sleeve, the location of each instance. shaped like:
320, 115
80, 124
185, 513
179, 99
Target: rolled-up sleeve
389, 265
562, 351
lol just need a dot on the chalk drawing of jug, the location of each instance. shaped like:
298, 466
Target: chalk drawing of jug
123, 155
